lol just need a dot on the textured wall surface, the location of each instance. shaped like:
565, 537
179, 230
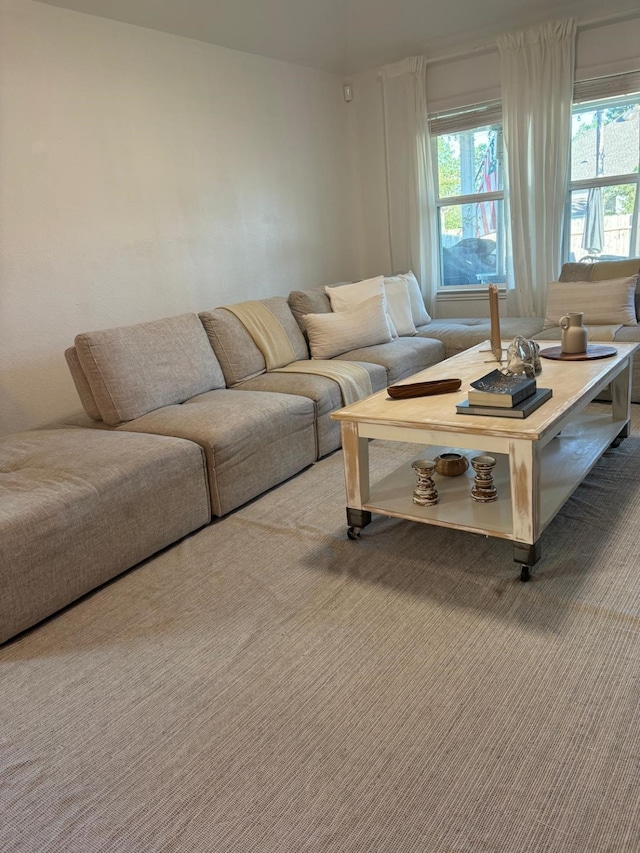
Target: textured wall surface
144, 175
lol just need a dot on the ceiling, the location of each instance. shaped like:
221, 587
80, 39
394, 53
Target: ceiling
345, 36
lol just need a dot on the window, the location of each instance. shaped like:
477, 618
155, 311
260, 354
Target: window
470, 197
602, 207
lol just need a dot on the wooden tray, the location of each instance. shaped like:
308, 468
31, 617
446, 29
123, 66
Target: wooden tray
593, 351
423, 389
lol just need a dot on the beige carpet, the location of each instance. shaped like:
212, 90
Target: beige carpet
269, 686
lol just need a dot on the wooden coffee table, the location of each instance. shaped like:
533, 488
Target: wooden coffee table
540, 460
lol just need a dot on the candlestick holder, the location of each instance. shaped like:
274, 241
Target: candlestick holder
484, 490
494, 311
425, 493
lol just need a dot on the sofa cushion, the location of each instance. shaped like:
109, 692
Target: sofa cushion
460, 334
252, 440
234, 347
82, 385
418, 309
401, 357
80, 506
303, 302
575, 271
607, 270
363, 325
133, 370
603, 303
324, 392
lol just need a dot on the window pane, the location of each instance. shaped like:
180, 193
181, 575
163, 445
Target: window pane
469, 162
471, 237
601, 220
605, 140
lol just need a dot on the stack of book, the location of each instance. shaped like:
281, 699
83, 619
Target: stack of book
502, 395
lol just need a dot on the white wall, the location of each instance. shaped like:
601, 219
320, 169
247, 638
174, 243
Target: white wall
600, 51
144, 175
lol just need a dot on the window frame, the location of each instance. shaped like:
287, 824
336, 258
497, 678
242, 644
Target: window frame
603, 90
476, 117
489, 114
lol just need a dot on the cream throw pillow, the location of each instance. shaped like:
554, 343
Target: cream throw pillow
418, 309
347, 296
397, 300
363, 325
604, 303
399, 305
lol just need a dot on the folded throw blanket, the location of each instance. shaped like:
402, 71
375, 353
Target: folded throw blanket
353, 379
271, 339
266, 331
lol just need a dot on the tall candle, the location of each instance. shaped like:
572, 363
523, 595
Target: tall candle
496, 343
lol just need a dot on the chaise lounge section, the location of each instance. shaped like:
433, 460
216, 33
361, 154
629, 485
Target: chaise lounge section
80, 506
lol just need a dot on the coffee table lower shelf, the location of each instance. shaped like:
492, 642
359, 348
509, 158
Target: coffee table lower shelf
565, 461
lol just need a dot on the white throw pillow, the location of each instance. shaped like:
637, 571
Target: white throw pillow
399, 305
363, 325
418, 309
603, 303
347, 296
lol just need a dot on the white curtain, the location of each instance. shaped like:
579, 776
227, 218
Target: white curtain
410, 188
634, 248
537, 72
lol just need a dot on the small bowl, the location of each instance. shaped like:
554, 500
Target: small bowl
451, 464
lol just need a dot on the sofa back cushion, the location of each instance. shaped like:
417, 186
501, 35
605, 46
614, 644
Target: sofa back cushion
82, 385
303, 302
608, 270
235, 349
132, 370
603, 271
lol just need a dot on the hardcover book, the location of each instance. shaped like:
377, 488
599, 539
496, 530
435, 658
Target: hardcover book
520, 410
499, 389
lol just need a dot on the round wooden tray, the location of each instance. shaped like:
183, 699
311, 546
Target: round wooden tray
593, 351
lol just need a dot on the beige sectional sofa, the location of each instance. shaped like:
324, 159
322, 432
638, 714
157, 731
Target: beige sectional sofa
182, 422
185, 419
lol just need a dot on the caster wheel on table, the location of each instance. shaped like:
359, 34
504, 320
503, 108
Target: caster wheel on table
354, 532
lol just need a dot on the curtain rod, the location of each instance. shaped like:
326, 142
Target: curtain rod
482, 50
